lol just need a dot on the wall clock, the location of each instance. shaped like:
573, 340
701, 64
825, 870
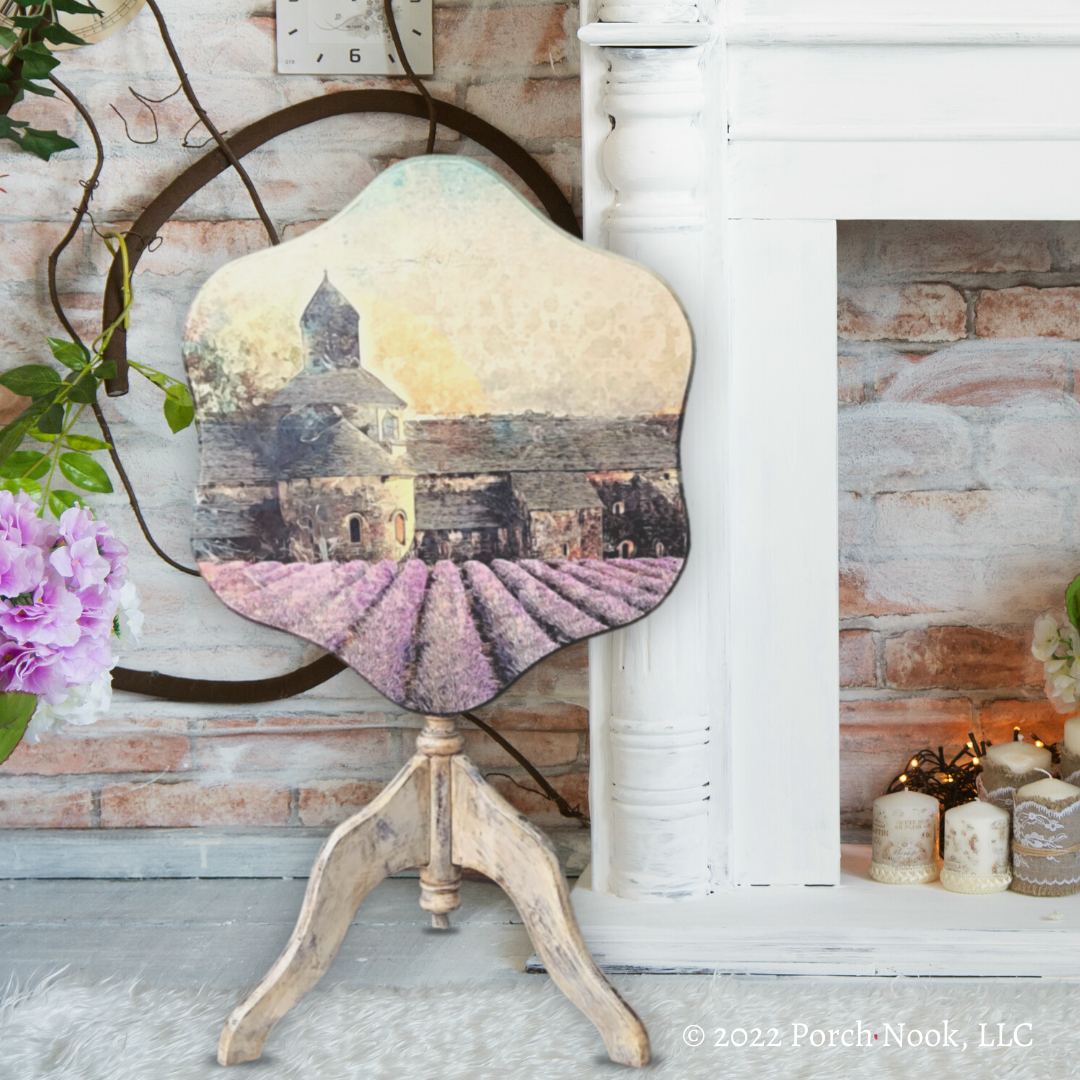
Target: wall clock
116, 14
350, 37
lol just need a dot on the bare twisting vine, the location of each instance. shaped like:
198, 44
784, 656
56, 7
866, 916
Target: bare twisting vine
57, 403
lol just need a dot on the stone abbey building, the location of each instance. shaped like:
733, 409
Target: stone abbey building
330, 468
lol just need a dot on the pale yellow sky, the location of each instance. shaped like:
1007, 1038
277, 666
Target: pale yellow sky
470, 302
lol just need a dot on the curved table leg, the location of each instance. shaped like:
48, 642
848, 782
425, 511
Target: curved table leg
489, 835
388, 835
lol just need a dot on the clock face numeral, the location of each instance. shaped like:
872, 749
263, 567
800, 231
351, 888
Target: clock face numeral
350, 37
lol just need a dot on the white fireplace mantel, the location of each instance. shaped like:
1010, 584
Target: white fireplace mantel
721, 143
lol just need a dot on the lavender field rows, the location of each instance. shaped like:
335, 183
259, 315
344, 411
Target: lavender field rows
444, 638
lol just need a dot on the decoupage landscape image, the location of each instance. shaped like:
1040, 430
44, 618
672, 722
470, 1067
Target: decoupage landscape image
439, 437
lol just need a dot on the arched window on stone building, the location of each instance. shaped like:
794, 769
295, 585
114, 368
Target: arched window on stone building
618, 509
626, 549
390, 428
399, 526
356, 529
660, 549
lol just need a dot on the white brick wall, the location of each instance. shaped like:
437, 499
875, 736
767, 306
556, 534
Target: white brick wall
960, 477
516, 66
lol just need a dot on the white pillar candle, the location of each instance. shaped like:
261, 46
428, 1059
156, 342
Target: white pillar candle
1072, 735
1047, 788
1018, 757
977, 858
1070, 751
905, 838
1046, 838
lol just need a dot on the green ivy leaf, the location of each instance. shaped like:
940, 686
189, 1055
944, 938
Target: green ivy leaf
12, 434
41, 436
1072, 601
15, 712
9, 129
31, 380
25, 84
55, 33
178, 408
85, 472
31, 463
69, 354
7, 39
60, 499
31, 487
37, 60
85, 442
106, 369
73, 7
156, 377
83, 388
44, 144
28, 22
51, 421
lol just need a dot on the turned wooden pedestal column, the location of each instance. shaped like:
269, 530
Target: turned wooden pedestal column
438, 813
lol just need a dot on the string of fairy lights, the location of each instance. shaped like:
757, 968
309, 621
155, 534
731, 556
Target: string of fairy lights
951, 782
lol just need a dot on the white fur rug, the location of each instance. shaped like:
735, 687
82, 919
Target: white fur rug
62, 1029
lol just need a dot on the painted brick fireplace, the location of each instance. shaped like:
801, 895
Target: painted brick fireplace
763, 155
959, 436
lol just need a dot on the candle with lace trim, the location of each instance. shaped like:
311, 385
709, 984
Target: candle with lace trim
1007, 766
905, 839
976, 849
1069, 749
1018, 758
1046, 838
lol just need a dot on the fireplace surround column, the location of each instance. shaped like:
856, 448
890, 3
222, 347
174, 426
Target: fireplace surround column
658, 687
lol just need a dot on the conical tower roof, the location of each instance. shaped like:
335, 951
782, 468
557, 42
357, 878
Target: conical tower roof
330, 326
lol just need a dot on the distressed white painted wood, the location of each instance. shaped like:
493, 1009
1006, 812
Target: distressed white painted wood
794, 32
438, 813
861, 13
813, 113
648, 11
388, 835
648, 35
859, 927
782, 503
978, 181
657, 685
916, 92
489, 835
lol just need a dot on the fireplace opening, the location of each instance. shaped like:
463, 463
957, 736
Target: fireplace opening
959, 485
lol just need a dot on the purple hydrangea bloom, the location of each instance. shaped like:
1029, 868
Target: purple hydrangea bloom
24, 540
78, 555
50, 618
98, 610
33, 669
84, 661
59, 591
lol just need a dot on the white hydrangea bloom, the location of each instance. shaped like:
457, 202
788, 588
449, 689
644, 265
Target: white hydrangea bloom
88, 704
1047, 637
1058, 647
129, 618
83, 705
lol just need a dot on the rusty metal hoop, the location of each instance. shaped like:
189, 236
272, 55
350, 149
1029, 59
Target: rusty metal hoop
194, 178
